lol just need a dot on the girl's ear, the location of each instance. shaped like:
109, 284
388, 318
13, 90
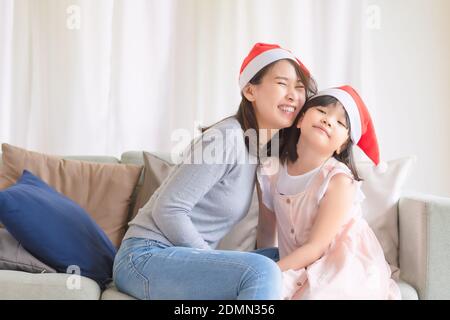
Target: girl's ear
249, 92
300, 120
343, 147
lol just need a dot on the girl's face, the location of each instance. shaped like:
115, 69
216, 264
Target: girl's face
278, 98
325, 127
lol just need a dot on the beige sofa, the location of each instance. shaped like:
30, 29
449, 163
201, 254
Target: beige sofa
424, 254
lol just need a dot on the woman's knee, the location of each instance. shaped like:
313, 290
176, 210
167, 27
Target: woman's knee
262, 279
265, 267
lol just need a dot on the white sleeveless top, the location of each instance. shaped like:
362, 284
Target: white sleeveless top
286, 184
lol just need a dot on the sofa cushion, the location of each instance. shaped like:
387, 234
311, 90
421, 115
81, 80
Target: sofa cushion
407, 291
111, 293
47, 286
156, 170
382, 188
103, 189
55, 229
13, 256
242, 236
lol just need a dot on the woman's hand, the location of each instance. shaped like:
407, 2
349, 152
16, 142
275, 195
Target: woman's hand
266, 231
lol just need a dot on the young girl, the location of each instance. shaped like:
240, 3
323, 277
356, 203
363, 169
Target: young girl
169, 251
327, 249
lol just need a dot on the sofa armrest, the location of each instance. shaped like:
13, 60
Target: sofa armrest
424, 244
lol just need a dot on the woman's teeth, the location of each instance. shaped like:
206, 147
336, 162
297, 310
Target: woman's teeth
287, 108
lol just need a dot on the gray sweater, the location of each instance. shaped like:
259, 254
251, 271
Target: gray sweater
203, 197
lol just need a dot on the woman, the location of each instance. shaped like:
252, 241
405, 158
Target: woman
168, 251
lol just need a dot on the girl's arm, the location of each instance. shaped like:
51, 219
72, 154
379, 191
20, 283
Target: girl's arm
266, 231
333, 208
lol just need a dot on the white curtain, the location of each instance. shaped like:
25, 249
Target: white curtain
108, 76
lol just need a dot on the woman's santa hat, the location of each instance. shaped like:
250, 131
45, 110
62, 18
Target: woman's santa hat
362, 129
260, 56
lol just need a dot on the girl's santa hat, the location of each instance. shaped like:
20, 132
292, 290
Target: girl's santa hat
362, 129
260, 56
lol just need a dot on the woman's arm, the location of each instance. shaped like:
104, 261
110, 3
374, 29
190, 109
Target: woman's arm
266, 232
333, 208
186, 187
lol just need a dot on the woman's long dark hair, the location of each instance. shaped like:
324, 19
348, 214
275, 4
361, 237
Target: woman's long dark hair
292, 135
246, 115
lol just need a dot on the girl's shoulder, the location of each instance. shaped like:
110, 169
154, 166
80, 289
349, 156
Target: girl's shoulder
333, 166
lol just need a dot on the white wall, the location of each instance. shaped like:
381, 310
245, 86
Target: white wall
411, 55
137, 70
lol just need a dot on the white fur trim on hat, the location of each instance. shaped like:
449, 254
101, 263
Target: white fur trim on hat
262, 60
350, 106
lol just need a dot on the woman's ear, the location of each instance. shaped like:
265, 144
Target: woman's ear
249, 92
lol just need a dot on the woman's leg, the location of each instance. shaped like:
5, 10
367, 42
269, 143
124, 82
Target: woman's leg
186, 273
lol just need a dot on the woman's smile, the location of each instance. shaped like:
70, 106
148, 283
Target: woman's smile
288, 110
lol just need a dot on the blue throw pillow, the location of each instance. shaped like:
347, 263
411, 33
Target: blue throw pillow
55, 229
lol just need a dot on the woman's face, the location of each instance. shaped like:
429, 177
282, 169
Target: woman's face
325, 127
278, 98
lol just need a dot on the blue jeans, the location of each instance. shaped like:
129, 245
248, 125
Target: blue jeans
148, 269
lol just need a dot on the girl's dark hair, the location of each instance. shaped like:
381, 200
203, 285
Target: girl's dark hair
246, 114
292, 135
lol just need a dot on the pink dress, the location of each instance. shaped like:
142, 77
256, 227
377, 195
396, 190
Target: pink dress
353, 266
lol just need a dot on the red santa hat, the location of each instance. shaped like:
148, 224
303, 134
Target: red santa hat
362, 129
260, 56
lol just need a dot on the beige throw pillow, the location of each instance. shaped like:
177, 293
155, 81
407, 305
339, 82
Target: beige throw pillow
155, 171
103, 189
242, 236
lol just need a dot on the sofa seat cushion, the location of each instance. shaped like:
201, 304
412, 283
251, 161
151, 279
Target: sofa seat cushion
111, 293
46, 286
